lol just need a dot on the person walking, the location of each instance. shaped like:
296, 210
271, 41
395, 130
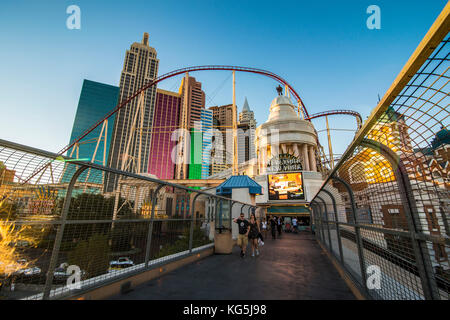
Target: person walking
253, 234
244, 228
294, 224
279, 225
264, 227
273, 226
260, 236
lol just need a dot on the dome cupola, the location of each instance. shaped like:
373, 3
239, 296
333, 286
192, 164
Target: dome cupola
282, 108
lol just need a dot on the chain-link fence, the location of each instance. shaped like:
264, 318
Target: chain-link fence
62, 233
383, 210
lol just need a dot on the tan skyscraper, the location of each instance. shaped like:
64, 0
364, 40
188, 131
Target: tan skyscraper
130, 146
193, 99
223, 153
192, 103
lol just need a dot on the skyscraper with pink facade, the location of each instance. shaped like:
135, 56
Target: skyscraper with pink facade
165, 121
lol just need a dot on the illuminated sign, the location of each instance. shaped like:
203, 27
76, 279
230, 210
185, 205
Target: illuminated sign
44, 201
59, 158
284, 162
286, 186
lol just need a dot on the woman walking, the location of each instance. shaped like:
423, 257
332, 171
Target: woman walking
253, 234
264, 227
260, 236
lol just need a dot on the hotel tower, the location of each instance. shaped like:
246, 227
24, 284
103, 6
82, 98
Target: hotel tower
131, 140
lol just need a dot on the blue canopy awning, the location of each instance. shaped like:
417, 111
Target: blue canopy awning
235, 182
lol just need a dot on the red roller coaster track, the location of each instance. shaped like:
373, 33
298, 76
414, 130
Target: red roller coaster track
335, 112
181, 71
170, 75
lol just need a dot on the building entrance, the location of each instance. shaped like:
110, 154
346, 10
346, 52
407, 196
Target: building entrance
303, 223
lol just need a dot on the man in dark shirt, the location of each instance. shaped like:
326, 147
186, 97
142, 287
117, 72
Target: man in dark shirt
273, 226
244, 228
279, 226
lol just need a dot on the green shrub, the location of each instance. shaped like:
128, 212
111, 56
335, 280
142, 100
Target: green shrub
198, 239
91, 255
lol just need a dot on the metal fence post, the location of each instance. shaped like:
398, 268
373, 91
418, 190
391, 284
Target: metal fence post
320, 219
338, 233
60, 233
208, 213
220, 209
317, 219
191, 231
209, 216
312, 220
242, 207
314, 211
359, 241
212, 216
231, 203
322, 223
317, 214
150, 228
231, 216
327, 222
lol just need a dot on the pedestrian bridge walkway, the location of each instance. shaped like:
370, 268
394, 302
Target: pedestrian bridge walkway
289, 268
381, 211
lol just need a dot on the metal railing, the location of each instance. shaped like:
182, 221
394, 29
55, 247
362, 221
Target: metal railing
383, 210
61, 233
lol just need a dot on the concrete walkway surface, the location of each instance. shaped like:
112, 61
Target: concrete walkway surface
292, 267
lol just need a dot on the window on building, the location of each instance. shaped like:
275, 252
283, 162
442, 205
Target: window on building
440, 254
431, 218
169, 207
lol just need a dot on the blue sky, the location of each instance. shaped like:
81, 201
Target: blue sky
324, 49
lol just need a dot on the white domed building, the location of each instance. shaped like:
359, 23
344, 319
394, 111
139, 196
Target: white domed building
286, 164
286, 136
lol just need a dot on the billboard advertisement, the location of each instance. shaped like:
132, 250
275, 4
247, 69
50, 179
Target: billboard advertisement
286, 186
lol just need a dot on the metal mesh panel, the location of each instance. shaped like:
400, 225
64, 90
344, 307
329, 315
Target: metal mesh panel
27, 221
350, 251
399, 278
439, 253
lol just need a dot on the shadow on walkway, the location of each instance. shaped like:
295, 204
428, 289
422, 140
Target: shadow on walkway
290, 268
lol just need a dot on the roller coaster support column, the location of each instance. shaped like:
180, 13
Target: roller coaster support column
235, 155
330, 148
301, 114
